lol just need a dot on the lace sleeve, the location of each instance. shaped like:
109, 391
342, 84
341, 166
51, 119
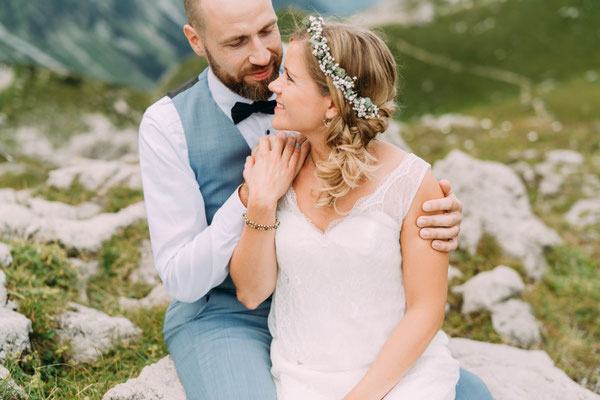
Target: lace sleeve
399, 195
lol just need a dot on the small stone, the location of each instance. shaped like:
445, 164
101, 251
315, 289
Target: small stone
158, 297
146, 272
156, 382
488, 288
91, 332
5, 255
14, 333
514, 321
9, 390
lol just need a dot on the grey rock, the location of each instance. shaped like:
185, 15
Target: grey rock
11, 196
158, 297
446, 122
33, 143
584, 213
145, 272
556, 168
14, 333
86, 235
9, 390
91, 332
95, 175
485, 289
495, 202
56, 209
158, 381
3, 292
515, 374
14, 219
86, 269
514, 321
453, 273
7, 77
5, 255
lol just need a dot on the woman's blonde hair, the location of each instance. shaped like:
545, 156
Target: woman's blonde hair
365, 56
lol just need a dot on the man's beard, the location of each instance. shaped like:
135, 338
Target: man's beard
258, 91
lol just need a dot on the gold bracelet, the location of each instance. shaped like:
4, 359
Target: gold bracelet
261, 227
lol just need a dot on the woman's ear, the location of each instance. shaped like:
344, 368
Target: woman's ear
332, 110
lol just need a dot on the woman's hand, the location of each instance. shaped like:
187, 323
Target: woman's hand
271, 168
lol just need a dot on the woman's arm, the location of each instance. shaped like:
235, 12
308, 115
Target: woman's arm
425, 275
253, 265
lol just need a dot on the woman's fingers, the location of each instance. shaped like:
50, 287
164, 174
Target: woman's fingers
288, 150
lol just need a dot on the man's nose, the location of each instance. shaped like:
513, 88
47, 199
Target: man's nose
259, 55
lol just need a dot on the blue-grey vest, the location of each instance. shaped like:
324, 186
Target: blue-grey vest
217, 152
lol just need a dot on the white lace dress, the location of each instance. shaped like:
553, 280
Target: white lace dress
339, 295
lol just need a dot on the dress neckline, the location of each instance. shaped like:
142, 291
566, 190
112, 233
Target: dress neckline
359, 202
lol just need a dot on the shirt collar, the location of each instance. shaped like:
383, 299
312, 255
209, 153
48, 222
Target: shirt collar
223, 96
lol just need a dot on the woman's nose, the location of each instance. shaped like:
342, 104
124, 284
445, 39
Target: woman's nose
274, 86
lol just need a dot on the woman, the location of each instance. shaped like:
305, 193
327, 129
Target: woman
359, 296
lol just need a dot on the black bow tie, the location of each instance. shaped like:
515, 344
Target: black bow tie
241, 111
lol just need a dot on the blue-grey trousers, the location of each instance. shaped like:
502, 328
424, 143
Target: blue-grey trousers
221, 351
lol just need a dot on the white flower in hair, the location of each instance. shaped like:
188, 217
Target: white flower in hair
363, 106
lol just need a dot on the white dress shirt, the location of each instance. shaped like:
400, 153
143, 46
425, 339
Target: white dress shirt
190, 256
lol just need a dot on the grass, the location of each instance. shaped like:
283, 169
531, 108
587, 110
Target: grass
42, 281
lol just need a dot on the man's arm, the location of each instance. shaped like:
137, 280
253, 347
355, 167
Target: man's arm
191, 257
445, 227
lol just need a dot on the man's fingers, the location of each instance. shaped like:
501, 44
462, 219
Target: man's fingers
445, 245
449, 203
440, 233
439, 220
446, 187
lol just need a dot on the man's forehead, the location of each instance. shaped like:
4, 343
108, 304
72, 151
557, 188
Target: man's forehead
236, 17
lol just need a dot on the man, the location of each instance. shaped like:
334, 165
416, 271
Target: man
193, 145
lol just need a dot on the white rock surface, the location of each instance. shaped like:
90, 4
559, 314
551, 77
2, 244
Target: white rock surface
91, 332
103, 141
516, 324
33, 143
446, 122
11, 196
6, 77
485, 289
95, 175
145, 272
515, 374
8, 388
453, 273
14, 333
56, 209
86, 235
556, 168
158, 297
395, 12
156, 382
86, 270
584, 213
15, 219
3, 292
495, 202
5, 255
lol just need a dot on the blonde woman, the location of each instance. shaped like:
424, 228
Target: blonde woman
358, 296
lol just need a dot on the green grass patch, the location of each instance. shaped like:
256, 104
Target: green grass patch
75, 194
54, 103
566, 301
117, 198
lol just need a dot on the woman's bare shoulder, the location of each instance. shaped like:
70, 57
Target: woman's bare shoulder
388, 155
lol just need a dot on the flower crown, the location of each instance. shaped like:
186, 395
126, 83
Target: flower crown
363, 106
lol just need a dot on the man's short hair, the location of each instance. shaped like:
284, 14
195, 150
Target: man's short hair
194, 13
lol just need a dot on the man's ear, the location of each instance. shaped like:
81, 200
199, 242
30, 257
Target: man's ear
194, 39
332, 110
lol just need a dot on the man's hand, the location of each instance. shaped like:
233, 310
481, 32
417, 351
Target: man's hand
443, 227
